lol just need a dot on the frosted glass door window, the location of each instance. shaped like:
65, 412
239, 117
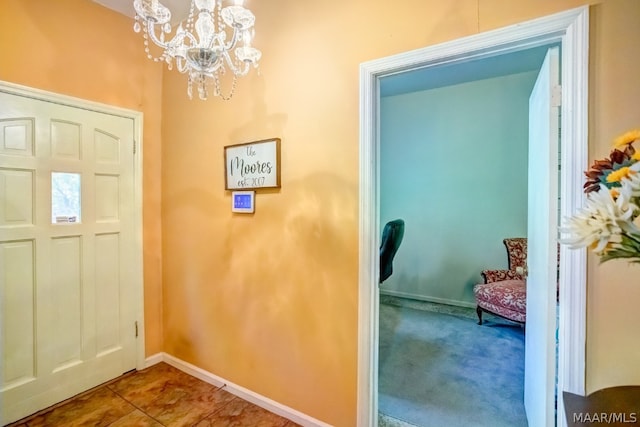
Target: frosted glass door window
65, 198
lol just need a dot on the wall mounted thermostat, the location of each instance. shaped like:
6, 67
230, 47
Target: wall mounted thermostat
243, 201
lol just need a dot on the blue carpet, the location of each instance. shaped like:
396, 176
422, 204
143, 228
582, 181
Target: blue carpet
439, 369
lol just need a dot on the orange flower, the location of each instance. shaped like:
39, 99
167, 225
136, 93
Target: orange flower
617, 175
627, 138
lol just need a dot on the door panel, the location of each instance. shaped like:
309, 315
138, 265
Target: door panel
18, 292
107, 292
16, 186
540, 351
66, 251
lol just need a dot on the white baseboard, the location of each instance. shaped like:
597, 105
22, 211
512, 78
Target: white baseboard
243, 393
427, 298
153, 360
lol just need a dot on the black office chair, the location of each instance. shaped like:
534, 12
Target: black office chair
391, 238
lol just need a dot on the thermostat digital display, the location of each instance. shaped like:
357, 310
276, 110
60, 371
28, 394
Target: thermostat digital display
243, 201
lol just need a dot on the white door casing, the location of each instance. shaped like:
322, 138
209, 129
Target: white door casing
542, 253
570, 29
71, 291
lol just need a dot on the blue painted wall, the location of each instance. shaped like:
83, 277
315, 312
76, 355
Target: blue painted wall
454, 167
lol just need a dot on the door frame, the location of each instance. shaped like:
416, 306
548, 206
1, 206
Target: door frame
136, 116
570, 29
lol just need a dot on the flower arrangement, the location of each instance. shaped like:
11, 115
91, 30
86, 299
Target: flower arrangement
607, 224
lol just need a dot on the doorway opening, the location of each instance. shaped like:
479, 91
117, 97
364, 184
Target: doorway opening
570, 31
454, 165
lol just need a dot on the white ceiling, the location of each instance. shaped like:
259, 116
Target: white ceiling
179, 8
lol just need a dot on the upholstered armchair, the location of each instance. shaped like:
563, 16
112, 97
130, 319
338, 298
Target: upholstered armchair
504, 292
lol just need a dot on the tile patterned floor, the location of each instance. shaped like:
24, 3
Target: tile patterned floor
160, 395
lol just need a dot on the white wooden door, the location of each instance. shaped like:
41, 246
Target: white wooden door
540, 352
66, 256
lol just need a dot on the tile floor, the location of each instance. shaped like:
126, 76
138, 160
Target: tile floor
160, 395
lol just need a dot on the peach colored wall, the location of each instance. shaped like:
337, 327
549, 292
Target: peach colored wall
269, 301
81, 49
613, 344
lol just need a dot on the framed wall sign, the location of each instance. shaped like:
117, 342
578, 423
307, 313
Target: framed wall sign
252, 165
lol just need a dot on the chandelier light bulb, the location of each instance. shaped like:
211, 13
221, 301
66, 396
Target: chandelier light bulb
212, 41
246, 37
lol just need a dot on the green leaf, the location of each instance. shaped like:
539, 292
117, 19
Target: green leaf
631, 239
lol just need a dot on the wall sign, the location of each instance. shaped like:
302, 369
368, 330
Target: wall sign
252, 165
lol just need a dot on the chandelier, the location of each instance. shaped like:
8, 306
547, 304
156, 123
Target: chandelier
214, 40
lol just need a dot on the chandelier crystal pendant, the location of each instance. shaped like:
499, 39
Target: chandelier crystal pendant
213, 41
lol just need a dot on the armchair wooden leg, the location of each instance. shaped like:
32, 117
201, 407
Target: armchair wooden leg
479, 311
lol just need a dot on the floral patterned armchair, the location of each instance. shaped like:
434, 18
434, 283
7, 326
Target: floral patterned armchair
504, 292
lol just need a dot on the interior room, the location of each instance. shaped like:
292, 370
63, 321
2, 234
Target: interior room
481, 108
266, 304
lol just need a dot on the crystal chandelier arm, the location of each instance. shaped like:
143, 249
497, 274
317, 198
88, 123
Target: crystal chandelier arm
181, 64
239, 19
151, 31
187, 35
238, 71
232, 42
173, 44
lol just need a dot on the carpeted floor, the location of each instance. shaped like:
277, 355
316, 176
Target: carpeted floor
440, 368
